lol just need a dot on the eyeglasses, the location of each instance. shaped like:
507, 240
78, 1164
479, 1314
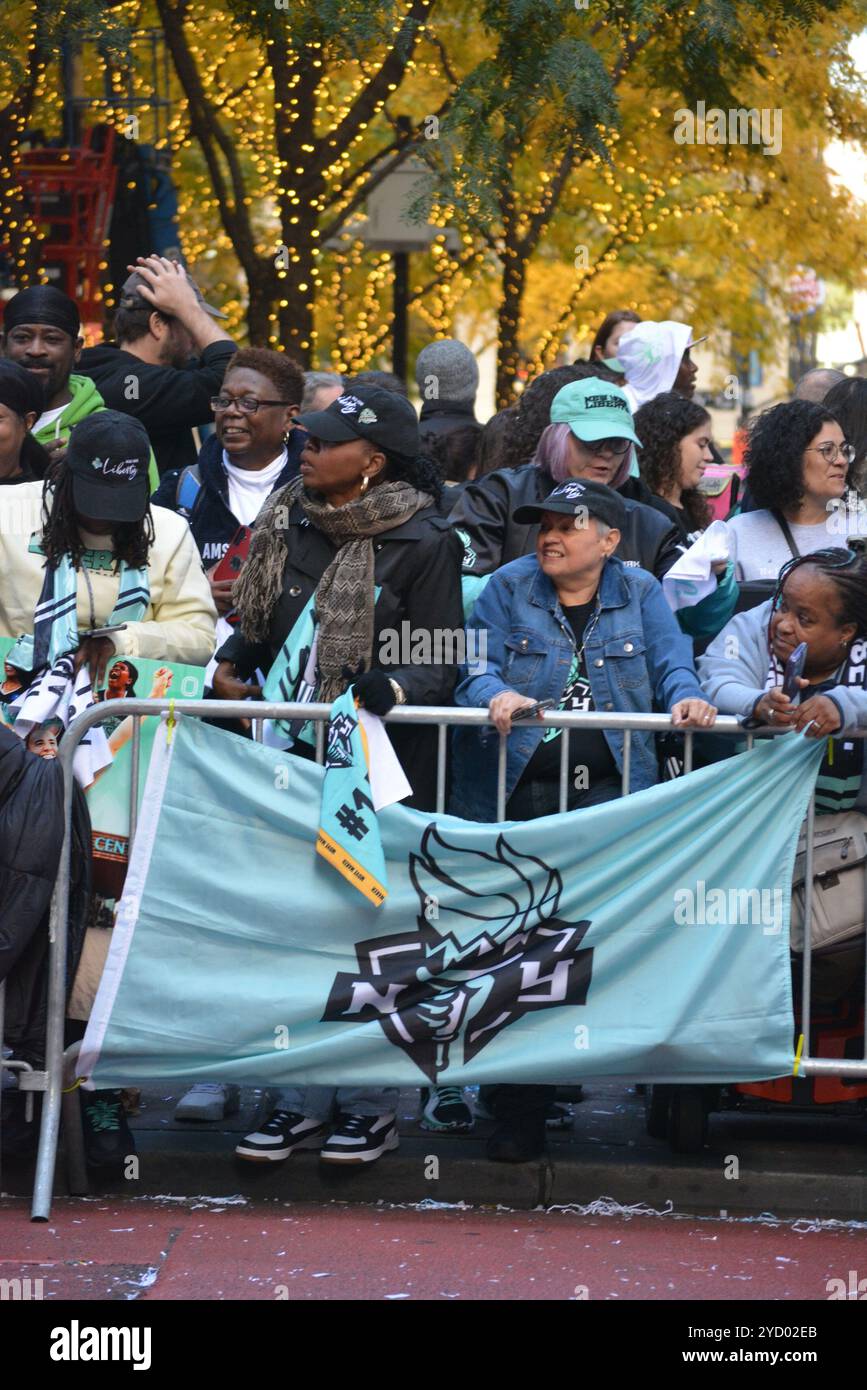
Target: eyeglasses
831, 450
248, 405
617, 447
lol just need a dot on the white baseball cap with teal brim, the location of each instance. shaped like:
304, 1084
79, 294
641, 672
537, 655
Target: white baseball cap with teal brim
594, 409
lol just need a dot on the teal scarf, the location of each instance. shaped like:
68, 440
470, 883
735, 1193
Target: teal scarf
55, 623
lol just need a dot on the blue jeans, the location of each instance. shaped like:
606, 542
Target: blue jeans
320, 1102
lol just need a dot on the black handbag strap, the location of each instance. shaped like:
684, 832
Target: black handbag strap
790, 539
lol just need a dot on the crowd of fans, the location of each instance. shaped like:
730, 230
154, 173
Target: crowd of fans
194, 501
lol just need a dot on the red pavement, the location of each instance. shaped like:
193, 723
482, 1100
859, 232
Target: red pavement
155, 1249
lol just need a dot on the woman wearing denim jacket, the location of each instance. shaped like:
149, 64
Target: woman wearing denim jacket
574, 626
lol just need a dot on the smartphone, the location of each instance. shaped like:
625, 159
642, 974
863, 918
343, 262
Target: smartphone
530, 711
236, 553
794, 669
101, 631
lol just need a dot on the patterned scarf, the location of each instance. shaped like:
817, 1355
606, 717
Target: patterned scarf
345, 598
839, 780
55, 623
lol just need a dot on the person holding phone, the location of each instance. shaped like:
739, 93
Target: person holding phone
820, 602
108, 575
820, 605
575, 628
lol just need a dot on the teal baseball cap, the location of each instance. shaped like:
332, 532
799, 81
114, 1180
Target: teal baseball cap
594, 409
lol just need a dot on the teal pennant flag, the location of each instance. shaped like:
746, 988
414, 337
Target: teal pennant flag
348, 829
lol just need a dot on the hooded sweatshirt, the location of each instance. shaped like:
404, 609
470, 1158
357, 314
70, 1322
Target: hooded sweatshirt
85, 401
650, 354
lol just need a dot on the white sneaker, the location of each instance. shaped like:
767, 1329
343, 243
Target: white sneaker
208, 1100
360, 1139
282, 1133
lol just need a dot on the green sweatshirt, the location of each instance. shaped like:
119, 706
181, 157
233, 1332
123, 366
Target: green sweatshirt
86, 400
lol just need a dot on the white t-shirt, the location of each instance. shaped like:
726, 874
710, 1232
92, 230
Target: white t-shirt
48, 417
759, 548
250, 487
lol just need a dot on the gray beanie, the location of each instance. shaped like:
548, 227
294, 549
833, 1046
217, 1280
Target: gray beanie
446, 371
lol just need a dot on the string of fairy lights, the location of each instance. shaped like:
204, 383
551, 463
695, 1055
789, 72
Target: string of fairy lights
347, 286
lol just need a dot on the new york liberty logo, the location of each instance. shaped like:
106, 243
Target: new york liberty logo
475, 962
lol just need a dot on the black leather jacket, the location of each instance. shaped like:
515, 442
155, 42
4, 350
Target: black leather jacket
417, 571
484, 512
31, 836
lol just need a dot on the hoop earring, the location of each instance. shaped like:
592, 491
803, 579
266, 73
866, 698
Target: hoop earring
365, 484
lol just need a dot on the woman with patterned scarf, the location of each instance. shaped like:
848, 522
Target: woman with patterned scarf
352, 578
821, 600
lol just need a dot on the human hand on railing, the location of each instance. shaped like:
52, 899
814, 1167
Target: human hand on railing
776, 708
227, 685
503, 706
694, 714
817, 717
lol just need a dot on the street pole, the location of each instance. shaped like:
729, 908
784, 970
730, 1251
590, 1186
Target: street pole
399, 331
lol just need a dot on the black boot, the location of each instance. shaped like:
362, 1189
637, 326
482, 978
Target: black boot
107, 1136
20, 1138
520, 1114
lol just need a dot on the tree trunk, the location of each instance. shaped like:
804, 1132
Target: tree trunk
508, 323
261, 290
295, 137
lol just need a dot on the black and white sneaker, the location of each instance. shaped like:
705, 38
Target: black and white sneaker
445, 1110
282, 1133
360, 1139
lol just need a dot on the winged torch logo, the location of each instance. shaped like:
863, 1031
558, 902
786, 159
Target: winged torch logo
488, 948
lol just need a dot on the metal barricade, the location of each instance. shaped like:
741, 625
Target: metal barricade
51, 1080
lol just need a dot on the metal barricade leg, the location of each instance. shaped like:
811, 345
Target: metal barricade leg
73, 1127
50, 1125
2, 1075
807, 962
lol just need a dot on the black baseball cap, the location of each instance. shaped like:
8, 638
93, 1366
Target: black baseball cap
108, 455
366, 412
578, 497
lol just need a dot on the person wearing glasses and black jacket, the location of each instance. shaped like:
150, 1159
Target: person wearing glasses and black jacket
254, 451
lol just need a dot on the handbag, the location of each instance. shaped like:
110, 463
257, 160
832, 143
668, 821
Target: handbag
839, 891
752, 592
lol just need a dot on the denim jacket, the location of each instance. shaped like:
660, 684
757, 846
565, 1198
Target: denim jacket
637, 660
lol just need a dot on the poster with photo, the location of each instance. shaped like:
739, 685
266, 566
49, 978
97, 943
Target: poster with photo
109, 795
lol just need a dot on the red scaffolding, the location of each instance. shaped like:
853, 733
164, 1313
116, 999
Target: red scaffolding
69, 195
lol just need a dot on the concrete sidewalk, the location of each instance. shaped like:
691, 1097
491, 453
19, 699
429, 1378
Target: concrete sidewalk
786, 1163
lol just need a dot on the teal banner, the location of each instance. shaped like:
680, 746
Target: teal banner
645, 939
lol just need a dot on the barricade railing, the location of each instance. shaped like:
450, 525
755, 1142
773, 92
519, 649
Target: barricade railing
51, 1079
